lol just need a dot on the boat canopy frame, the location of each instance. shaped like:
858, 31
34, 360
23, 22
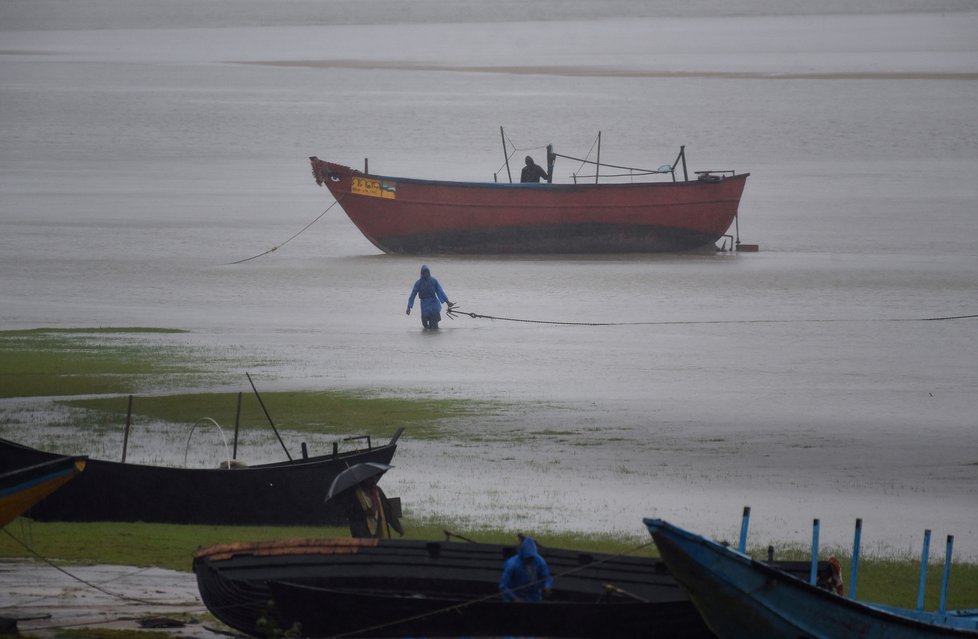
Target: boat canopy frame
632, 171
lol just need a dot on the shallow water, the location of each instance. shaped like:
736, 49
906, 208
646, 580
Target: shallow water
144, 150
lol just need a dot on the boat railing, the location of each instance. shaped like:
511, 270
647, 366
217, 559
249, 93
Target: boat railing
632, 171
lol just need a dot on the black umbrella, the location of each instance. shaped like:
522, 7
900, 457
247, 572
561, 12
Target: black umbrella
354, 475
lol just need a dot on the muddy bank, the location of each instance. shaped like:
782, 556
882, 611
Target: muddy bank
44, 599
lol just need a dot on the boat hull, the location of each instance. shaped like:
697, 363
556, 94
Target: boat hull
284, 493
234, 583
321, 612
412, 217
739, 597
23, 487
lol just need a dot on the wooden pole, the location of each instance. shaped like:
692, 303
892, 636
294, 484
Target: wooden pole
269, 417
854, 571
237, 426
505, 154
551, 158
125, 437
922, 584
597, 165
814, 572
742, 546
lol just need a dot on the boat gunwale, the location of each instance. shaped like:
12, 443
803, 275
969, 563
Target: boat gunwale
795, 583
563, 186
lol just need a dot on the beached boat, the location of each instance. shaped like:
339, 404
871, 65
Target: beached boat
327, 612
389, 580
22, 487
283, 493
739, 597
428, 217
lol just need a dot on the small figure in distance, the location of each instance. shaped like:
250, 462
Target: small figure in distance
526, 576
532, 172
432, 295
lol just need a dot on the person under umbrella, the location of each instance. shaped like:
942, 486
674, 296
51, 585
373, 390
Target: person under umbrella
367, 509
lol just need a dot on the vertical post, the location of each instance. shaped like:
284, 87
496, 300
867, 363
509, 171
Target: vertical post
269, 417
922, 584
366, 167
237, 426
551, 158
682, 153
125, 436
506, 154
597, 166
942, 607
814, 572
855, 559
742, 546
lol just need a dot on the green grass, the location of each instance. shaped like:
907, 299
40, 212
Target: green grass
113, 362
46, 361
883, 580
307, 411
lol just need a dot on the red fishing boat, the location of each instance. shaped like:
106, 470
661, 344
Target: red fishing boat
417, 216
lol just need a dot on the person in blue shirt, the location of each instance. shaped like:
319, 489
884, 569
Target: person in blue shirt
526, 577
432, 295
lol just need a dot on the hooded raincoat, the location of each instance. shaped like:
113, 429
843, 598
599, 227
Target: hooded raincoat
431, 294
525, 574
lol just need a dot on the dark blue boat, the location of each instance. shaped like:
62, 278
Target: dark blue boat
741, 598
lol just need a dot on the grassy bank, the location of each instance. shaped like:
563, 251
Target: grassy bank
47, 361
891, 581
111, 363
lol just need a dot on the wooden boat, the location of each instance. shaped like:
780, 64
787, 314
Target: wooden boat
395, 578
415, 216
739, 597
327, 612
23, 487
282, 493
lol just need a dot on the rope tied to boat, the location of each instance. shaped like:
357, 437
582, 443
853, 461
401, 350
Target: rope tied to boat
454, 311
278, 246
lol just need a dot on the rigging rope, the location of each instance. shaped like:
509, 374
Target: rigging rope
454, 310
275, 248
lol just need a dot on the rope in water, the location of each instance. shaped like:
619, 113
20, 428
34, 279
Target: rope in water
453, 311
275, 248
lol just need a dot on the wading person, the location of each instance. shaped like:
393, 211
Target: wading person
526, 577
432, 295
532, 172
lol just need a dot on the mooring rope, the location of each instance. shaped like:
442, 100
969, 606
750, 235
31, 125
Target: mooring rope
277, 247
455, 310
44, 559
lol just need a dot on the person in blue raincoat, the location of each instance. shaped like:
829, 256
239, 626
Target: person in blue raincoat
432, 295
526, 577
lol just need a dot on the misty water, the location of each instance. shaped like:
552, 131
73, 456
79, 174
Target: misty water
148, 145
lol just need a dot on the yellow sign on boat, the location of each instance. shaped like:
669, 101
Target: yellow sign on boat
374, 188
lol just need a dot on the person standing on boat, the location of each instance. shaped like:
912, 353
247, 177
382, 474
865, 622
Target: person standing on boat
432, 295
526, 576
532, 172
